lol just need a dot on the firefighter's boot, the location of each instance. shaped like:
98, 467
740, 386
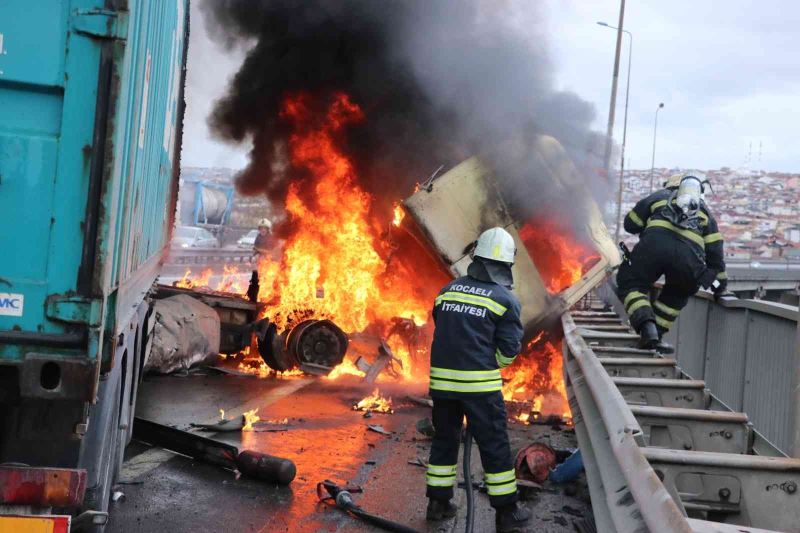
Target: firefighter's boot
511, 518
664, 347
649, 334
440, 510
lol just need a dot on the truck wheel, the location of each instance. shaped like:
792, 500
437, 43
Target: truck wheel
104, 446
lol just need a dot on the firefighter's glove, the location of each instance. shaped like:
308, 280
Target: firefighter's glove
720, 287
707, 278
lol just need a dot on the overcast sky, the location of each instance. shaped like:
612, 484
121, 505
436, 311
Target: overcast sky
728, 72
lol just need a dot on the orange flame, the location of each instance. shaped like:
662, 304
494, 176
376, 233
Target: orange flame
375, 402
250, 418
335, 264
190, 282
347, 368
536, 375
560, 259
399, 215
255, 365
230, 281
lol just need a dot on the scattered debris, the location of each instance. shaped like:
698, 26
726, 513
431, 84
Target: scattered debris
117, 496
271, 426
233, 424
419, 461
362, 365
427, 402
252, 464
425, 427
560, 520
528, 484
554, 421
385, 357
238, 423
534, 462
378, 429
586, 525
572, 511
385, 360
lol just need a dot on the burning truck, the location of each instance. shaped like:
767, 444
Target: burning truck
351, 297
344, 106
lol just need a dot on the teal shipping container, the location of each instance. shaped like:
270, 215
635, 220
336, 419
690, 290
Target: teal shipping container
91, 106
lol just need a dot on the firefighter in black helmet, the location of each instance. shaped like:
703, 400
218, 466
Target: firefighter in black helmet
679, 239
478, 332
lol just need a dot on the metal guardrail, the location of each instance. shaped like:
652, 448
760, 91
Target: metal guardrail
747, 352
659, 466
765, 264
625, 491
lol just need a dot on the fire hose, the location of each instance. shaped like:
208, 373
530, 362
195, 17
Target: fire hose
342, 498
468, 482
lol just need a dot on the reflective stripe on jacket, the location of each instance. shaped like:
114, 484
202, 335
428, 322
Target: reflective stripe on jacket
478, 331
650, 214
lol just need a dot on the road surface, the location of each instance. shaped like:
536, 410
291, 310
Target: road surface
165, 492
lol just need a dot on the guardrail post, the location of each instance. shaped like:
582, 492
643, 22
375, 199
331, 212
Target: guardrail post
796, 398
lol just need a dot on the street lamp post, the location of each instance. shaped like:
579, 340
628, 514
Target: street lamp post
624, 130
612, 104
653, 161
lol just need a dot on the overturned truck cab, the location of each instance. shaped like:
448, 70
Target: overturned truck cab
451, 210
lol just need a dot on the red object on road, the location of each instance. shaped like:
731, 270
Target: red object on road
50, 487
534, 462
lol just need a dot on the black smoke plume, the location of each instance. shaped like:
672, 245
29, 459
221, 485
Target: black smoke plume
438, 80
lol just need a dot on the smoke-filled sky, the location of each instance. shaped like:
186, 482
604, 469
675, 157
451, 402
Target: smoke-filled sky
726, 70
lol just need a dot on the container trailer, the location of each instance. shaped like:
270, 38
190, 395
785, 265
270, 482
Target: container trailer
91, 107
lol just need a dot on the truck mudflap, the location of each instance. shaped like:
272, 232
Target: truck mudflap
450, 212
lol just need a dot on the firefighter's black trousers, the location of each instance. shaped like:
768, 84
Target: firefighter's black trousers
659, 252
486, 420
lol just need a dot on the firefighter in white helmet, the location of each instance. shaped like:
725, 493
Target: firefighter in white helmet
478, 332
264, 241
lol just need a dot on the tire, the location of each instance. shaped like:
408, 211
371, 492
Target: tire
104, 443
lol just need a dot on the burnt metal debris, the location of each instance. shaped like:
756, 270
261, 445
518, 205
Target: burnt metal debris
250, 463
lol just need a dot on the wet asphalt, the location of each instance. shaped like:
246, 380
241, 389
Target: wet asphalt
327, 439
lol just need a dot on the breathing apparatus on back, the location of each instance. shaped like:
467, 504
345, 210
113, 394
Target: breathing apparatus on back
685, 201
